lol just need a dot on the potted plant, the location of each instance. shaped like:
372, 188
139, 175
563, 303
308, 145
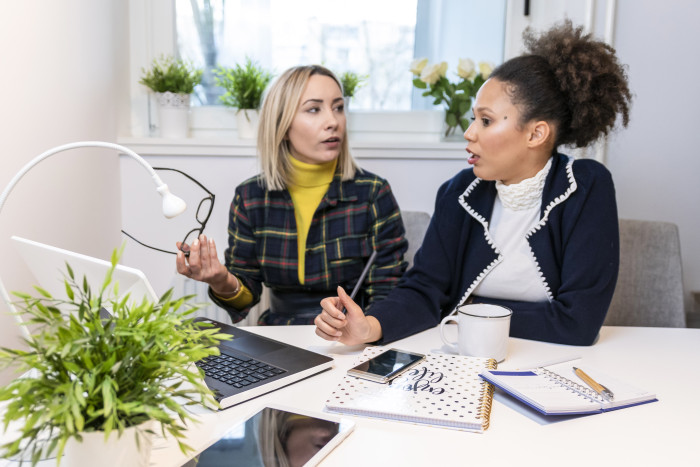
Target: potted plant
351, 82
244, 87
173, 81
97, 383
456, 97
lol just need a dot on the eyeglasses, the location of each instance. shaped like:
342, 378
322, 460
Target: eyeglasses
206, 205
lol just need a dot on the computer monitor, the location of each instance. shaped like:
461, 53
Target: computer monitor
48, 265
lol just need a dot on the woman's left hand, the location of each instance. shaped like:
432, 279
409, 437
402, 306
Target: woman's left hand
351, 328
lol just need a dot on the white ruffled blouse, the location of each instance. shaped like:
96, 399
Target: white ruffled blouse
515, 212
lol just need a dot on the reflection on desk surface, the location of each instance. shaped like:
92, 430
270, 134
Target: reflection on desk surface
270, 438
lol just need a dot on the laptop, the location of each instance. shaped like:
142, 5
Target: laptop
249, 365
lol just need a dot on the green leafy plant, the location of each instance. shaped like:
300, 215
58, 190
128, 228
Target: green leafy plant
103, 374
456, 97
243, 85
351, 82
168, 74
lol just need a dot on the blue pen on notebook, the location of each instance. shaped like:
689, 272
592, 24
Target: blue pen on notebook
361, 279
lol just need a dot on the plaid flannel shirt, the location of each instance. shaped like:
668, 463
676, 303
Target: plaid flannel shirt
354, 218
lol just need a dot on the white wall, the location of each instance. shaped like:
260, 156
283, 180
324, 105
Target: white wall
656, 161
64, 77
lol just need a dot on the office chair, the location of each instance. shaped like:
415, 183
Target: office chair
416, 223
649, 288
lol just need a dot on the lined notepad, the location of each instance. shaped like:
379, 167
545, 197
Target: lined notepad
444, 391
556, 390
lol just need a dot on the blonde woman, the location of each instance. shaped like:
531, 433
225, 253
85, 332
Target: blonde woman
308, 223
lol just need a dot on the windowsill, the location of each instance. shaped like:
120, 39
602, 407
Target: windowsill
246, 148
393, 135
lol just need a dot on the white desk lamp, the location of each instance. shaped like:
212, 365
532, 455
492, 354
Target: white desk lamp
172, 205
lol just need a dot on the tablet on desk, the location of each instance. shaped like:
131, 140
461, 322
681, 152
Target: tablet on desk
276, 436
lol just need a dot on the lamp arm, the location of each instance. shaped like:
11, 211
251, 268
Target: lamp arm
82, 144
172, 205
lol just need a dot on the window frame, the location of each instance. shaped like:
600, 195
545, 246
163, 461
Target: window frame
153, 33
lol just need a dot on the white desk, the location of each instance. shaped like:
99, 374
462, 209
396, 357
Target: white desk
664, 361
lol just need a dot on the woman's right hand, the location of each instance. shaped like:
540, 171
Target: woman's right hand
203, 265
349, 328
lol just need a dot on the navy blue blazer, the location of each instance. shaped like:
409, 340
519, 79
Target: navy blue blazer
575, 245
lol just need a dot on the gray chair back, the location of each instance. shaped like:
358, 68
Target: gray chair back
649, 288
416, 223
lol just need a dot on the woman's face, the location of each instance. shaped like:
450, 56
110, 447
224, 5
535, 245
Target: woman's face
318, 128
497, 144
306, 438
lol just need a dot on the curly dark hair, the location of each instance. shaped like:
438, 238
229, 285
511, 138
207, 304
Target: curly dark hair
568, 78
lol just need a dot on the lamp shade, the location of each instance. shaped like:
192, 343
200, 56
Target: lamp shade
172, 205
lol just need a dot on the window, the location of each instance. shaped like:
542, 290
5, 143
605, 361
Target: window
370, 38
377, 38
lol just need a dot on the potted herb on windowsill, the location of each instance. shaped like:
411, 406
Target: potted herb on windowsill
244, 87
98, 388
173, 81
351, 82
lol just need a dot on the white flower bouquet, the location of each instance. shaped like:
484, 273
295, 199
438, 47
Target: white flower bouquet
457, 97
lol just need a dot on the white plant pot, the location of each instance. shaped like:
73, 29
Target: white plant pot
116, 451
173, 114
346, 110
247, 123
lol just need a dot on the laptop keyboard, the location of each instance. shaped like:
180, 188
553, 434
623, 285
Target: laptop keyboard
237, 372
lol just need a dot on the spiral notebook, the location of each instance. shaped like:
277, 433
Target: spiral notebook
444, 391
556, 390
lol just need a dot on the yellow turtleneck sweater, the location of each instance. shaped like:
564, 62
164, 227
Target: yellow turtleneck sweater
309, 185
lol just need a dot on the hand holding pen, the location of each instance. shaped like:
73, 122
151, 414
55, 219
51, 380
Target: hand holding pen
343, 320
361, 279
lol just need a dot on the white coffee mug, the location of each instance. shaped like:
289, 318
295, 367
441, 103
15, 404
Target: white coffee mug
482, 330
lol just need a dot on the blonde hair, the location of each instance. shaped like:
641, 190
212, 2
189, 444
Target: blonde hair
276, 116
273, 426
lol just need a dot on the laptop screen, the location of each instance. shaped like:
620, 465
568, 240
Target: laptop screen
48, 265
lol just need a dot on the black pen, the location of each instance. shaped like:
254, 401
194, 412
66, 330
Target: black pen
361, 279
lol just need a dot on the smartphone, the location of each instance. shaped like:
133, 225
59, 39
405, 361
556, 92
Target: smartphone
387, 365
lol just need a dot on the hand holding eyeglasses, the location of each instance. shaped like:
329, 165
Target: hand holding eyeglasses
204, 210
198, 260
203, 265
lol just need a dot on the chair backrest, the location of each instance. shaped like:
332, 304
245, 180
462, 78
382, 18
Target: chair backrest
416, 223
649, 288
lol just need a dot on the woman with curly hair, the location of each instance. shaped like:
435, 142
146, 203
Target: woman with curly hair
525, 227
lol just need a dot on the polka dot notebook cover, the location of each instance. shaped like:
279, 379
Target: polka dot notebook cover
444, 390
